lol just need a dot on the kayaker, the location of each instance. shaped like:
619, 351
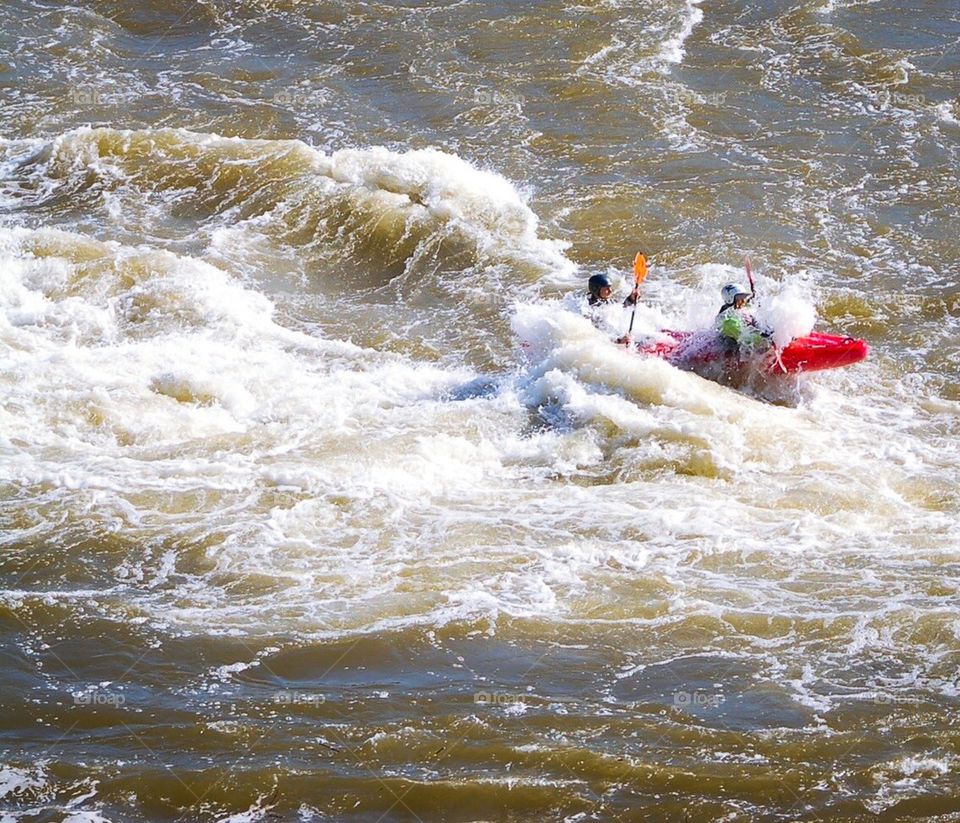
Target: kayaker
734, 323
601, 294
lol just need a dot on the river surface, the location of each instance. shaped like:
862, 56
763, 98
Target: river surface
321, 501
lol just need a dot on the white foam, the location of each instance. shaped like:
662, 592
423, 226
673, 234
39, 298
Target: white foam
428, 195
947, 112
600, 56
672, 51
13, 780
789, 312
258, 811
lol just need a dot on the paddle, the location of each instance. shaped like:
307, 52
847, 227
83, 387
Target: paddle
639, 272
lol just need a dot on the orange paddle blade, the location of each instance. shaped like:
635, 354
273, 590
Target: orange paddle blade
640, 267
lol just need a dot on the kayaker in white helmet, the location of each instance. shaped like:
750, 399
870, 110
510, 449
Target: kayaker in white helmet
734, 296
733, 321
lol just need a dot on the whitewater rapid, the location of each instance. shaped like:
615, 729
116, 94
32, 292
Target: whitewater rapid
158, 400
322, 499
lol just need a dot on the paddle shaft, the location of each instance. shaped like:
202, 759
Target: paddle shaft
639, 272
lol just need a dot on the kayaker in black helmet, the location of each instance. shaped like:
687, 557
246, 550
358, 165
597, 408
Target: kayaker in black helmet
601, 290
601, 294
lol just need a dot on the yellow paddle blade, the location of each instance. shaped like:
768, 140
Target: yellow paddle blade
640, 267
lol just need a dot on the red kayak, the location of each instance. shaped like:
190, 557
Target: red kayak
813, 352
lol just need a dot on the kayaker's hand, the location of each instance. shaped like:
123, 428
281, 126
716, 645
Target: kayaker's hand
626, 340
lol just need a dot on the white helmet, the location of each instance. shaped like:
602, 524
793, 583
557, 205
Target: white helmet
732, 291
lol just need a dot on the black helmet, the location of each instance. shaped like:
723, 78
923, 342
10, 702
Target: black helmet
597, 282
